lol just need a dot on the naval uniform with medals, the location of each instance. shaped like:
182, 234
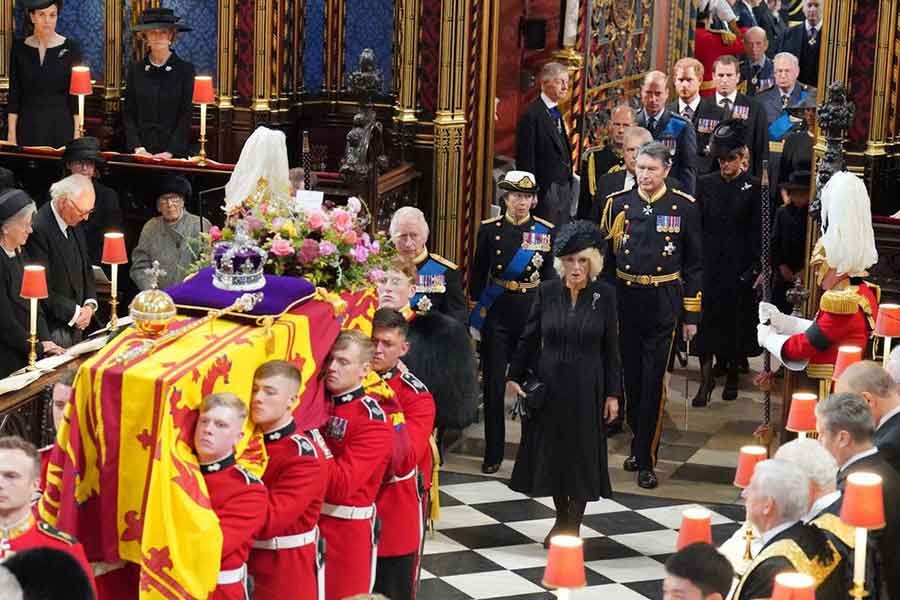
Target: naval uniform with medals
439, 287
656, 255
596, 163
511, 259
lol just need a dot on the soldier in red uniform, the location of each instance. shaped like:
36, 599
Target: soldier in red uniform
20, 468
60, 395
286, 561
237, 497
359, 436
848, 308
400, 502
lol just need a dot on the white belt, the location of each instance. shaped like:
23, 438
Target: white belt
348, 512
409, 475
283, 542
232, 575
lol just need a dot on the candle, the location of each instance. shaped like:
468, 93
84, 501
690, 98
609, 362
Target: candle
81, 114
33, 324
203, 120
115, 280
859, 556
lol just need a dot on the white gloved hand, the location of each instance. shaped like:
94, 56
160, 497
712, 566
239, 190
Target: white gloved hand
762, 334
779, 321
766, 310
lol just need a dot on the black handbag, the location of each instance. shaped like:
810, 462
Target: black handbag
529, 405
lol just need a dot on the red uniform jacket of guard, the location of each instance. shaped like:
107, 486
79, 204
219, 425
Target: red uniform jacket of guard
359, 436
708, 46
239, 500
296, 477
830, 330
38, 534
399, 503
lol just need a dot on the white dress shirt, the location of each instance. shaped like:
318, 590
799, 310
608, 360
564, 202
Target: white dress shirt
731, 97
65, 231
821, 504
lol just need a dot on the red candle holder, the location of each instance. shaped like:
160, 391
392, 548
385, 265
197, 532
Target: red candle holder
80, 81
203, 90
863, 503
696, 527
565, 563
34, 283
846, 356
747, 459
802, 416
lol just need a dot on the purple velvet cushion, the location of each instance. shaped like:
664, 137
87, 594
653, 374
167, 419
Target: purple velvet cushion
280, 294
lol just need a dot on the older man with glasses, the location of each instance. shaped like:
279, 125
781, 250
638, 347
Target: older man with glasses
58, 243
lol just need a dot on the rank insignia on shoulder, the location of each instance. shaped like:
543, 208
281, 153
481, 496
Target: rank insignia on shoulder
249, 477
321, 442
375, 412
447, 263
492, 220
304, 446
414, 382
683, 194
543, 222
336, 427
51, 531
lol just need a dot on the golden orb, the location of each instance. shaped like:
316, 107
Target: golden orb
152, 311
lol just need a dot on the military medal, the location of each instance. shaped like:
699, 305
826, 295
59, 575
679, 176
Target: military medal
431, 284
740, 112
668, 224
669, 249
648, 210
539, 242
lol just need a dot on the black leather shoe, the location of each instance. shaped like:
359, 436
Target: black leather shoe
647, 479
731, 385
630, 464
490, 469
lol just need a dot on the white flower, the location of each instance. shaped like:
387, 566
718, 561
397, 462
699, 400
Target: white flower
354, 205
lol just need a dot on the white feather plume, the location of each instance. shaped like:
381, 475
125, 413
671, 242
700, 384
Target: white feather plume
848, 237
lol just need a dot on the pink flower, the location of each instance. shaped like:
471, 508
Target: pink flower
354, 205
277, 222
263, 209
309, 251
215, 234
253, 224
342, 220
326, 248
350, 238
360, 254
376, 275
375, 247
281, 247
315, 219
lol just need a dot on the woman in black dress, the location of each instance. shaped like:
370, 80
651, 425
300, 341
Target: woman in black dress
570, 343
159, 89
729, 202
16, 212
41, 111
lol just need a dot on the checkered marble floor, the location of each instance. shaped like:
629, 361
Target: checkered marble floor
487, 543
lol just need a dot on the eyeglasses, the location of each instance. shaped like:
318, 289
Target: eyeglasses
84, 214
171, 200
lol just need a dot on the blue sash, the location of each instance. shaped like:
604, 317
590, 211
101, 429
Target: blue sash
512, 272
780, 126
429, 269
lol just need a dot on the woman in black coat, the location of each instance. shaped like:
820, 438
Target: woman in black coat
41, 111
730, 206
570, 343
16, 212
159, 89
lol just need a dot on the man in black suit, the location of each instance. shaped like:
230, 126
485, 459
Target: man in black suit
769, 18
872, 382
845, 428
670, 129
805, 40
728, 103
688, 79
58, 243
542, 146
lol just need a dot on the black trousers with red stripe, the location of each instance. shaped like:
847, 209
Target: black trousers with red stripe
648, 317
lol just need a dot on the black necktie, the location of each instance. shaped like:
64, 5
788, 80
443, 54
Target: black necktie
651, 124
688, 112
726, 106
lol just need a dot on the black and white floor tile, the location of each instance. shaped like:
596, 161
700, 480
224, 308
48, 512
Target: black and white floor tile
487, 543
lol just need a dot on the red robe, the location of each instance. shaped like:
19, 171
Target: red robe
399, 502
296, 477
37, 534
359, 436
239, 500
845, 318
708, 46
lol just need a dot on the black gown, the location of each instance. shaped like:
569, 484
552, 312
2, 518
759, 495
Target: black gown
15, 317
157, 112
731, 248
575, 352
39, 93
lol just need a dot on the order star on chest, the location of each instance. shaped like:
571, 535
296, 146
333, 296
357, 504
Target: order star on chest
648, 209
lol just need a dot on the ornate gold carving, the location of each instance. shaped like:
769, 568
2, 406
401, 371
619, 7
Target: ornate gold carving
334, 44
226, 54
6, 31
113, 75
262, 67
407, 60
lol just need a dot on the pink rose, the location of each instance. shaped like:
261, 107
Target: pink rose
215, 234
282, 247
315, 219
360, 254
350, 238
326, 248
253, 224
375, 247
342, 220
309, 251
263, 209
376, 275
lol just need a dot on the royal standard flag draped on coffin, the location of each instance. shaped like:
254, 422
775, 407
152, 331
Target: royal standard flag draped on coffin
123, 460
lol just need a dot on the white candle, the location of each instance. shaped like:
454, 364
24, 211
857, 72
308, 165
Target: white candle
859, 556
801, 435
115, 279
562, 594
203, 120
887, 351
80, 113
33, 327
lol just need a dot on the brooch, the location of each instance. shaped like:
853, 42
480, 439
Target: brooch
747, 185
62, 52
594, 301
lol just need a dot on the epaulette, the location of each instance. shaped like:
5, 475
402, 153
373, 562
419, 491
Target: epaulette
840, 302
304, 446
375, 411
414, 382
51, 531
543, 222
618, 193
248, 476
683, 194
492, 220
444, 261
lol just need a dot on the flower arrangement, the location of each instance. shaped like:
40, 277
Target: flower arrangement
328, 245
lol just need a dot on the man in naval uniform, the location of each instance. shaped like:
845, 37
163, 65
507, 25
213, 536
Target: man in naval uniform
757, 69
512, 256
599, 162
439, 286
655, 234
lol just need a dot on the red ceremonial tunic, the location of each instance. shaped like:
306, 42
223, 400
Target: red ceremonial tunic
239, 500
358, 434
399, 501
708, 46
845, 318
296, 477
32, 533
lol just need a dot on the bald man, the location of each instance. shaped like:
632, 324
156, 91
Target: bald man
757, 69
601, 161
672, 130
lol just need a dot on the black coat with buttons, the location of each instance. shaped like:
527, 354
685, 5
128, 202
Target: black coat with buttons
657, 238
498, 241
